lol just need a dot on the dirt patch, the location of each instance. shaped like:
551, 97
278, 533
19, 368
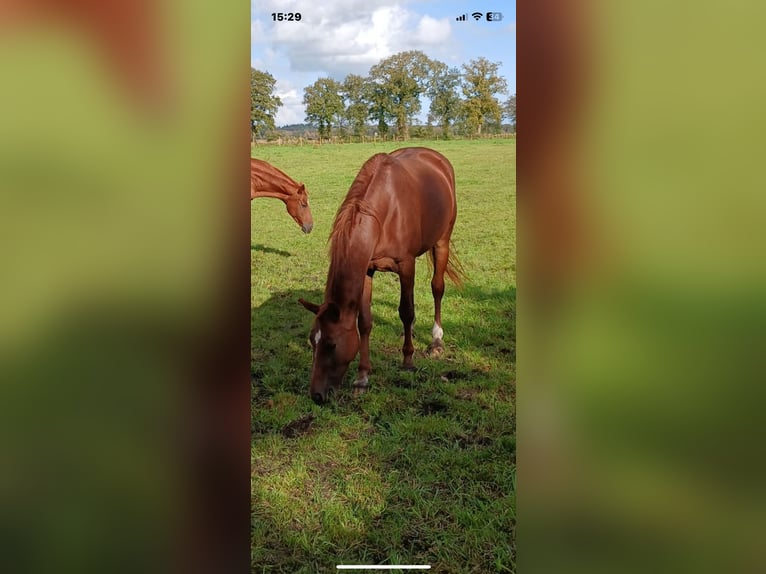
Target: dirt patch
467, 394
472, 440
298, 427
403, 383
455, 375
433, 406
413, 540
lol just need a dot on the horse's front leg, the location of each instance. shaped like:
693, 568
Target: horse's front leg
407, 310
364, 322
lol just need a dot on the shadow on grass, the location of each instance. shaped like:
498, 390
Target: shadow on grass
265, 249
476, 320
489, 325
419, 470
483, 325
279, 349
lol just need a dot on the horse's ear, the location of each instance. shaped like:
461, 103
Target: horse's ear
313, 307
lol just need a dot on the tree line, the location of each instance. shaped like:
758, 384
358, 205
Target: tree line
463, 100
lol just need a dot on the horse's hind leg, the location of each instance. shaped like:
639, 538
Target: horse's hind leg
364, 322
407, 310
440, 254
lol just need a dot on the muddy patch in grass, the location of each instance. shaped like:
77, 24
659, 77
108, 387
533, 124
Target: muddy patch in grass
298, 427
457, 375
450, 376
403, 383
432, 406
473, 440
467, 394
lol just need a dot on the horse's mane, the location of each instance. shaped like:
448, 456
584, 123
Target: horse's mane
354, 204
267, 177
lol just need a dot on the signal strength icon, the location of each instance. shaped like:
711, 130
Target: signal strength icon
461, 18
477, 15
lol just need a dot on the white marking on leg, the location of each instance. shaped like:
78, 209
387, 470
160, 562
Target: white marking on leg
437, 332
360, 386
317, 336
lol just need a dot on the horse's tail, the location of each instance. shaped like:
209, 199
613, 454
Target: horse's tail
454, 270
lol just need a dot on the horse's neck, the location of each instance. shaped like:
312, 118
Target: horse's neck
345, 282
275, 193
271, 184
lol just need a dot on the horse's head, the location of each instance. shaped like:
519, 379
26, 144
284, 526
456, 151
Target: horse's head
335, 342
298, 208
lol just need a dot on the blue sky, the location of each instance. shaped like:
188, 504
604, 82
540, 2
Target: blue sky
338, 37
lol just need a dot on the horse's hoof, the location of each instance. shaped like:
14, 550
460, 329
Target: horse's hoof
406, 367
435, 349
360, 386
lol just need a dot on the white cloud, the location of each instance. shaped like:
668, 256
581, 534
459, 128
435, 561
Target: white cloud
433, 31
347, 36
292, 110
338, 37
257, 33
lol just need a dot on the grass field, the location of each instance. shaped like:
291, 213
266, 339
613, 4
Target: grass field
421, 468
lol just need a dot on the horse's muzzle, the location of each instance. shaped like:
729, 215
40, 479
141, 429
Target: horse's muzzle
321, 398
307, 227
318, 398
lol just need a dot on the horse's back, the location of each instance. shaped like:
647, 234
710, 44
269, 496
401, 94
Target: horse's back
423, 160
427, 175
418, 185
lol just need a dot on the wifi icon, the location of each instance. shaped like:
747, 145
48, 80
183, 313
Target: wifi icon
477, 15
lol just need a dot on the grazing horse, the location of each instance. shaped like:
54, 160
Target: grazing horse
268, 181
400, 206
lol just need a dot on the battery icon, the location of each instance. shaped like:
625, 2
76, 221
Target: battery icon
494, 16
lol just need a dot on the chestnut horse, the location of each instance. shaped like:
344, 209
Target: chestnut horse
268, 181
400, 206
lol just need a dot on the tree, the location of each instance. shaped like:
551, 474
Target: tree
379, 108
509, 110
443, 91
481, 84
324, 104
403, 78
263, 103
355, 93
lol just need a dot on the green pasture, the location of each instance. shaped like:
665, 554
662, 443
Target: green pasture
422, 468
